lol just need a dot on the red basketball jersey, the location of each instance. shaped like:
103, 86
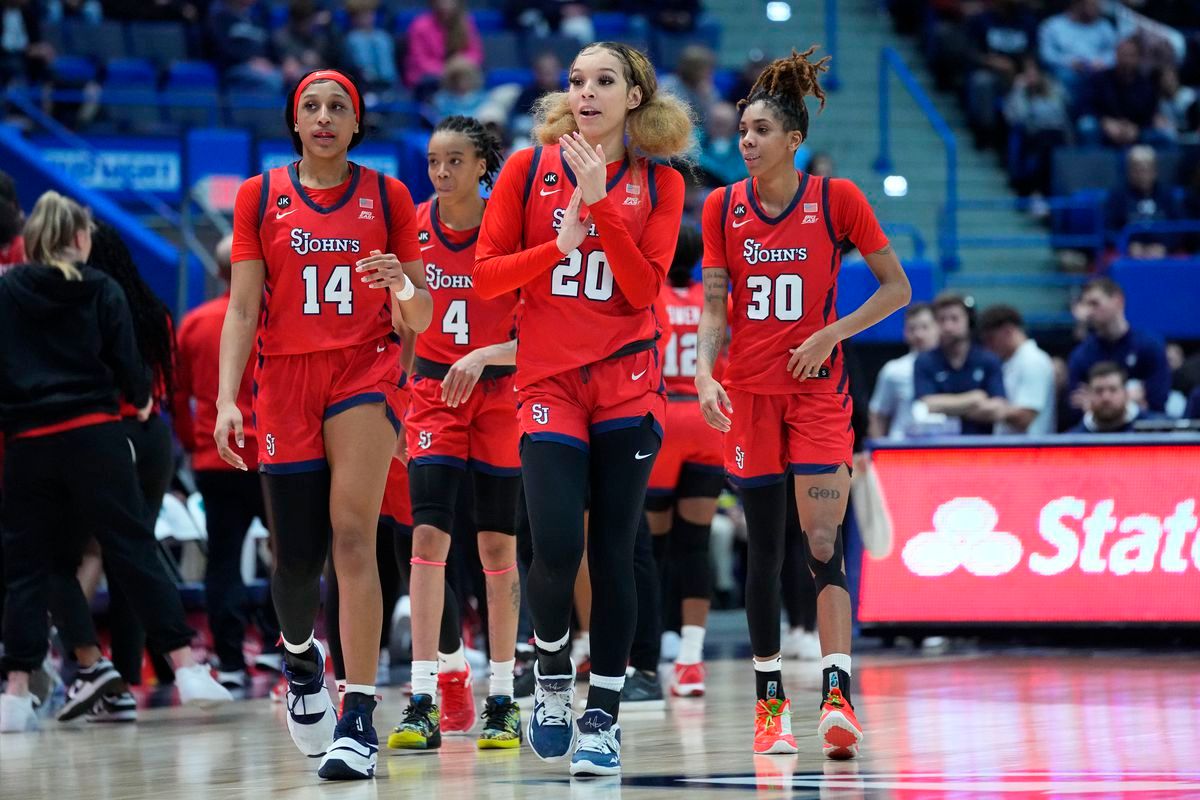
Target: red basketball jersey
680, 309
462, 320
575, 313
314, 299
783, 272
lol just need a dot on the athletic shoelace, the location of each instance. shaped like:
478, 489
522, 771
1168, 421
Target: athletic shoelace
771, 712
495, 716
553, 707
603, 742
418, 715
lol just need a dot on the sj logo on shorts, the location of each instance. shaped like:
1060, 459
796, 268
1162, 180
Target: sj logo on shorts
269, 439
739, 456
540, 414
425, 440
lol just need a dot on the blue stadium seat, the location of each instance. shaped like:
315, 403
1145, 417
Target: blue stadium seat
72, 70
102, 41
501, 50
488, 20
259, 112
191, 75
398, 118
130, 73
610, 25
1079, 168
192, 108
133, 110
502, 75
404, 18
161, 42
52, 34
565, 47
725, 80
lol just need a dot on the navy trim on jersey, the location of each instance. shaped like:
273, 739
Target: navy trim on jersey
612, 182
263, 197
491, 469
383, 201
294, 467
814, 469
837, 246
725, 206
533, 168
706, 469
559, 438
828, 303
351, 402
441, 461
633, 347
617, 424
653, 184
294, 175
437, 228
791, 206
757, 481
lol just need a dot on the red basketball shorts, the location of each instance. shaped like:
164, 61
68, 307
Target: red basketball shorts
606, 396
773, 434
689, 441
481, 433
295, 394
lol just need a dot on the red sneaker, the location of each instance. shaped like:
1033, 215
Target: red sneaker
279, 690
688, 680
839, 730
458, 701
773, 727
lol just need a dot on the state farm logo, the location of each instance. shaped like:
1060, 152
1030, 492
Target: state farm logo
1072, 534
964, 535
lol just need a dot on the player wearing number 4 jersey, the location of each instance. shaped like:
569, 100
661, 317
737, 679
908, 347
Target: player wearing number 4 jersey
320, 246
777, 237
585, 227
463, 415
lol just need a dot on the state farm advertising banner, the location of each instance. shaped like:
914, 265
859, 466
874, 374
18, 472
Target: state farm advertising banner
1036, 534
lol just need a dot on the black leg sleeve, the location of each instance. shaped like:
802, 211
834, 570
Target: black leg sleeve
765, 508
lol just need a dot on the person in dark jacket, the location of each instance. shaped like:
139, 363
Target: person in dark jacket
67, 349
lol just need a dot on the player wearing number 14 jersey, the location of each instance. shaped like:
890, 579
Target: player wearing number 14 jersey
777, 237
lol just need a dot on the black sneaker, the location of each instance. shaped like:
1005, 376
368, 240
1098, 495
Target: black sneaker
118, 707
421, 727
355, 748
501, 724
642, 692
90, 684
523, 683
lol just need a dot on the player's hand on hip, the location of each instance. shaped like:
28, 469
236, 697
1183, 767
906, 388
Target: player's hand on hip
381, 270
807, 359
714, 402
573, 230
229, 420
461, 379
591, 173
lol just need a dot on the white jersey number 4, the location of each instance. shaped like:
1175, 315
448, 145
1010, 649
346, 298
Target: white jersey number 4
454, 322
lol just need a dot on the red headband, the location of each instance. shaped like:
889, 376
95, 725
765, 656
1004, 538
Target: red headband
326, 75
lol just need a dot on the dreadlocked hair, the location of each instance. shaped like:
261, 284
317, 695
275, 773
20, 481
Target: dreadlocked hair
152, 325
486, 143
661, 127
785, 83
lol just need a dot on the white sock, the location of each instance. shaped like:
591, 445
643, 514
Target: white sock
424, 678
770, 665
604, 682
361, 688
691, 645
501, 682
453, 662
551, 647
298, 649
839, 660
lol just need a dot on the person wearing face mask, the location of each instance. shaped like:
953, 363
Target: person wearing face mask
777, 239
320, 248
585, 226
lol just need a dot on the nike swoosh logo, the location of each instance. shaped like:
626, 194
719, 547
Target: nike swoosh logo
547, 194
281, 214
737, 224
426, 247
638, 375
640, 456
380, 348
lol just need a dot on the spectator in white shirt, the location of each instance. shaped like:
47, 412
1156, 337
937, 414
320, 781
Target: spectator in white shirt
1028, 374
1077, 43
891, 402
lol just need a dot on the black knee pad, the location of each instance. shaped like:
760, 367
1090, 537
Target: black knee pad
496, 502
434, 492
689, 559
829, 573
700, 481
659, 502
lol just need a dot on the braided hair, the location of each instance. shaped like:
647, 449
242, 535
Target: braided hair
152, 324
486, 143
785, 83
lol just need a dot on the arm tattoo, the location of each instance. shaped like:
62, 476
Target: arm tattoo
883, 251
711, 333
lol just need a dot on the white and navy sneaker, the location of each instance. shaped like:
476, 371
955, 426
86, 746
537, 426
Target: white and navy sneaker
552, 731
117, 707
599, 749
89, 686
355, 748
311, 716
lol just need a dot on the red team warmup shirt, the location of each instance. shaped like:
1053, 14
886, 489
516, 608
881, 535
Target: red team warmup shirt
783, 272
574, 310
314, 300
462, 320
681, 308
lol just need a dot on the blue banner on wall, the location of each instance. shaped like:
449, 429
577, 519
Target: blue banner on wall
121, 167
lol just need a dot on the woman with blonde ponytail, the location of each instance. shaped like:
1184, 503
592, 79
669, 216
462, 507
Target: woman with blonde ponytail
585, 226
67, 350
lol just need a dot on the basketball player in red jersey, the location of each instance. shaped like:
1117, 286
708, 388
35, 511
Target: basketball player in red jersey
777, 237
689, 473
463, 415
585, 226
319, 240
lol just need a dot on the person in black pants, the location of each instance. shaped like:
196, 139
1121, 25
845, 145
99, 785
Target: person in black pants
66, 348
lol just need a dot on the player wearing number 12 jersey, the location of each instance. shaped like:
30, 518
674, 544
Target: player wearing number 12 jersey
585, 227
321, 246
777, 237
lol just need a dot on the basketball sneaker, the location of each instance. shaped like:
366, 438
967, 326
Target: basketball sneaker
355, 748
501, 724
552, 732
598, 751
458, 701
773, 727
838, 729
279, 690
420, 729
90, 684
311, 716
688, 680
117, 707
642, 691
523, 683
17, 714
198, 688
